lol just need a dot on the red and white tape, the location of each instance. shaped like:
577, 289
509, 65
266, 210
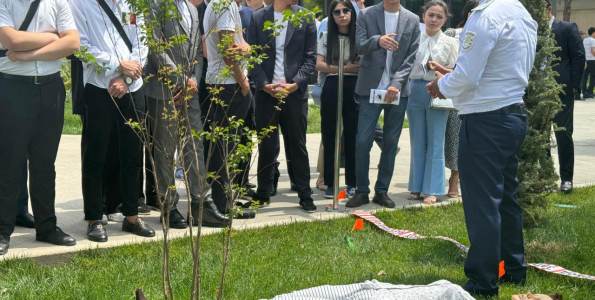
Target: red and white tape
408, 234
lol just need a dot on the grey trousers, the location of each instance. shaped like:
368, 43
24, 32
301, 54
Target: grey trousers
168, 133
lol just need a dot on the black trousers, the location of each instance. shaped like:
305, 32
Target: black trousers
488, 148
244, 176
591, 70
237, 105
293, 121
23, 192
31, 120
102, 115
328, 114
564, 137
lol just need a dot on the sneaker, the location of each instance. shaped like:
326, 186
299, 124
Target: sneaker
307, 205
329, 193
179, 174
104, 219
143, 209
350, 193
116, 216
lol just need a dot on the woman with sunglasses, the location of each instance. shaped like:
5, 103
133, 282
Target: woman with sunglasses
427, 126
341, 26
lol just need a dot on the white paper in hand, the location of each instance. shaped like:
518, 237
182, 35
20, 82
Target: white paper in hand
377, 97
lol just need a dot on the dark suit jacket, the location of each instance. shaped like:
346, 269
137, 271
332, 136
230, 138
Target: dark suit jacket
300, 51
571, 53
246, 16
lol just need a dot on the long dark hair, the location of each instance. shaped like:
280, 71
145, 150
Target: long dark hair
332, 38
470, 5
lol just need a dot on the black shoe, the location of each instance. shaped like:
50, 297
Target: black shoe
154, 206
211, 217
176, 220
26, 220
249, 194
57, 237
249, 185
260, 202
4, 244
97, 233
139, 228
358, 200
566, 187
383, 200
274, 191
517, 280
307, 205
143, 208
245, 214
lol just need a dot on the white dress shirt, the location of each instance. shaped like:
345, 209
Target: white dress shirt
101, 39
52, 16
391, 22
186, 17
497, 52
439, 48
279, 76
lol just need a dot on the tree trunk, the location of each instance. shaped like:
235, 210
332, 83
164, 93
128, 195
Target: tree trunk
567, 4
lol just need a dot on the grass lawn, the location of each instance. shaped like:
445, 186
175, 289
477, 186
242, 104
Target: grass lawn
270, 261
72, 123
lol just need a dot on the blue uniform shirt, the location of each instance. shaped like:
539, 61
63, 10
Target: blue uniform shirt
497, 52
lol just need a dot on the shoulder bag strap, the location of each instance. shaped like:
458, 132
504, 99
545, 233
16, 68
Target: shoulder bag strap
116, 23
27, 21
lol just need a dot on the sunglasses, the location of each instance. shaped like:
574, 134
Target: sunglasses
339, 12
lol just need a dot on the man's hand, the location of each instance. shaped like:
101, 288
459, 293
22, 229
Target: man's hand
117, 88
270, 89
352, 68
242, 50
433, 88
289, 87
181, 92
387, 42
432, 65
19, 56
132, 69
391, 94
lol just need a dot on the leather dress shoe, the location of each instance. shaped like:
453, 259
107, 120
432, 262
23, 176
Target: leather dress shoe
26, 220
246, 213
57, 237
211, 217
358, 200
3, 244
566, 187
139, 228
249, 185
97, 233
176, 220
383, 200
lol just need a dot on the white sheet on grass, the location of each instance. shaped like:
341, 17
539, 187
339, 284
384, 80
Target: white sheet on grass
439, 290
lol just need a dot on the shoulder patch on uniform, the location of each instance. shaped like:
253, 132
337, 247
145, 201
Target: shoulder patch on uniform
483, 6
468, 41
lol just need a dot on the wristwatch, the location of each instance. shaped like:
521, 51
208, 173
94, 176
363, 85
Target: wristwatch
127, 80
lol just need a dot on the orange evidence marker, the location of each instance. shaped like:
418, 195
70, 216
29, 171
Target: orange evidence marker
501, 270
341, 195
359, 225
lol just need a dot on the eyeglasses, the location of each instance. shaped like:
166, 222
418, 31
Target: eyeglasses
339, 12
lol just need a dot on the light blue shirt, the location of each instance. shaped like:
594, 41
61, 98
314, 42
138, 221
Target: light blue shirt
496, 56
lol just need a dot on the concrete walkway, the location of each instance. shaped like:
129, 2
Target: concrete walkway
284, 207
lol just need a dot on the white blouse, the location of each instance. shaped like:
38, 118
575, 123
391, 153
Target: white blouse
439, 48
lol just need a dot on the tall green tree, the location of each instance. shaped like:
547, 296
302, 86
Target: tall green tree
537, 174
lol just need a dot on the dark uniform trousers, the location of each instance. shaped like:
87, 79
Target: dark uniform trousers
565, 118
102, 116
23, 192
488, 148
31, 120
237, 105
293, 121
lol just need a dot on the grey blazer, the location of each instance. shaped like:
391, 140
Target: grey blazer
370, 27
187, 55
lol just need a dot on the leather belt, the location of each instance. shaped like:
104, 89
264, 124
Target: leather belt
32, 79
518, 108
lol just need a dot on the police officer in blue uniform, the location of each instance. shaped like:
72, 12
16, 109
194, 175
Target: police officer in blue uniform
497, 53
